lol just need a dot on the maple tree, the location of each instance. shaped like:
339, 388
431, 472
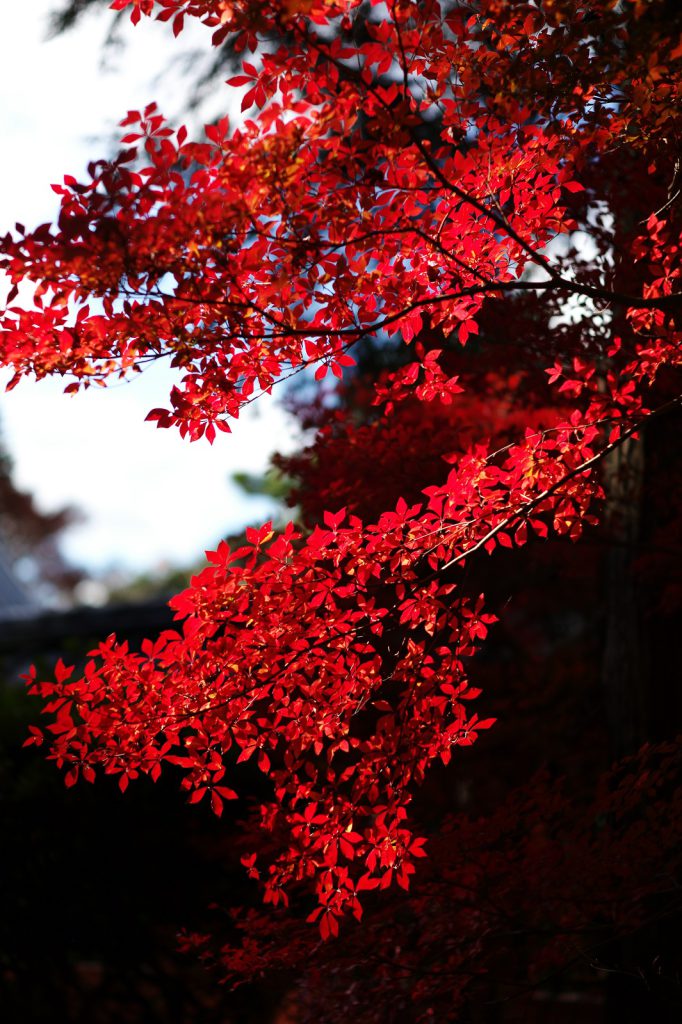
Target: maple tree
487, 192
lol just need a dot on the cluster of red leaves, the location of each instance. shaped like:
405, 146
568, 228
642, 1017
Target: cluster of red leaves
505, 903
218, 253
403, 166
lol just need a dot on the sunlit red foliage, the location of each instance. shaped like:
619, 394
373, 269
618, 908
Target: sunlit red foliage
409, 171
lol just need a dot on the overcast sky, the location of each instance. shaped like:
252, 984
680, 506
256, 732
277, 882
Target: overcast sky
148, 496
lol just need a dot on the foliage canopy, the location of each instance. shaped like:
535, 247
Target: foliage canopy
488, 190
